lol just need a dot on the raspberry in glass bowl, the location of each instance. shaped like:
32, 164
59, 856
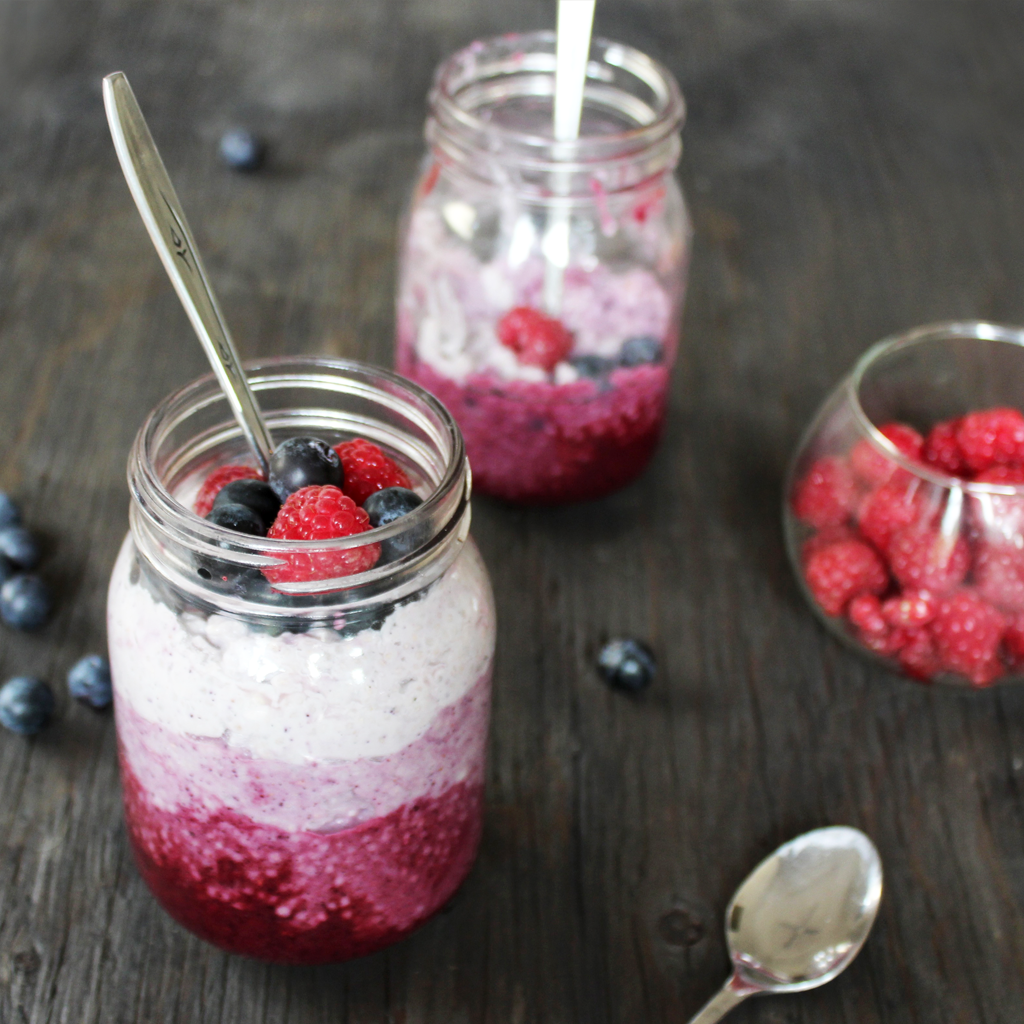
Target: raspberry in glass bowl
904, 505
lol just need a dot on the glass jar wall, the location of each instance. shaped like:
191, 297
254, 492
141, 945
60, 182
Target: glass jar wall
302, 764
541, 282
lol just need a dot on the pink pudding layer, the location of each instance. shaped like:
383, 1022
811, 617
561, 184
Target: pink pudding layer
267, 876
549, 443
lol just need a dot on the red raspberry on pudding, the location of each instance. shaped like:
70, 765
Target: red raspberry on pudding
924, 559
217, 481
321, 513
941, 450
826, 494
967, 632
367, 470
991, 437
840, 571
875, 467
536, 339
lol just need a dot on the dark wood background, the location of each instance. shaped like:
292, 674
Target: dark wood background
853, 169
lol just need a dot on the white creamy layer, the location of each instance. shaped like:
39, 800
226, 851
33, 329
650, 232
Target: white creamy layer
302, 697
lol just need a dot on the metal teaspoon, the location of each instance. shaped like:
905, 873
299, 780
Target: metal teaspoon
165, 220
800, 917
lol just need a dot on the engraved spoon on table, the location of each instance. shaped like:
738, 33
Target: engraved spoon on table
167, 225
800, 917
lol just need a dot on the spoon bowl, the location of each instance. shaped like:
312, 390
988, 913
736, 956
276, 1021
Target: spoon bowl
800, 917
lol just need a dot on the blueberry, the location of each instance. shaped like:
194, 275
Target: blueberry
7, 570
25, 602
236, 517
9, 514
26, 705
19, 546
354, 622
253, 494
592, 366
89, 681
303, 462
385, 507
628, 664
242, 151
644, 349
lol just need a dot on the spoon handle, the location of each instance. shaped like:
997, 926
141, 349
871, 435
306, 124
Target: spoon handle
168, 227
731, 994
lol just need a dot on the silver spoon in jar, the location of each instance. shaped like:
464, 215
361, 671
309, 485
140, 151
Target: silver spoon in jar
165, 220
800, 917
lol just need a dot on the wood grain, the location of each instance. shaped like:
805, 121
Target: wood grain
854, 168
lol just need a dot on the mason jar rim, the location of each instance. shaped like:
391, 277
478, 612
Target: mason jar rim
536, 52
979, 330
154, 501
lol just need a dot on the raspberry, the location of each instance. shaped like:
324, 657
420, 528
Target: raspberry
1011, 473
917, 654
889, 508
875, 467
911, 609
999, 518
991, 437
840, 571
826, 494
999, 575
967, 631
367, 470
942, 451
923, 559
865, 613
823, 538
218, 480
537, 340
320, 513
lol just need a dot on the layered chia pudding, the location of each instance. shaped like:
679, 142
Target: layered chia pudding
302, 758
541, 282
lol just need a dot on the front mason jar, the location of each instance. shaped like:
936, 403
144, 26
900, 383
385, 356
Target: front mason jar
541, 281
302, 764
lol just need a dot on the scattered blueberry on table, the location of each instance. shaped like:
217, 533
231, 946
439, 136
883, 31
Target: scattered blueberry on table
17, 545
25, 602
242, 150
89, 681
26, 705
628, 664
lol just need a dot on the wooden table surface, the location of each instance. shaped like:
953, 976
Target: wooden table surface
853, 169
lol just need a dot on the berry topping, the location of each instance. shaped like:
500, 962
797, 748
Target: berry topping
991, 437
537, 340
889, 508
17, 545
840, 571
321, 513
25, 602
26, 705
303, 462
237, 517
911, 609
628, 664
826, 495
643, 349
385, 507
924, 559
9, 513
367, 469
874, 467
942, 451
218, 480
967, 631
89, 681
593, 367
242, 151
253, 494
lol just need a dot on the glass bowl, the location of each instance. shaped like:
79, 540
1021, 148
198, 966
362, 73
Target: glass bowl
904, 505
